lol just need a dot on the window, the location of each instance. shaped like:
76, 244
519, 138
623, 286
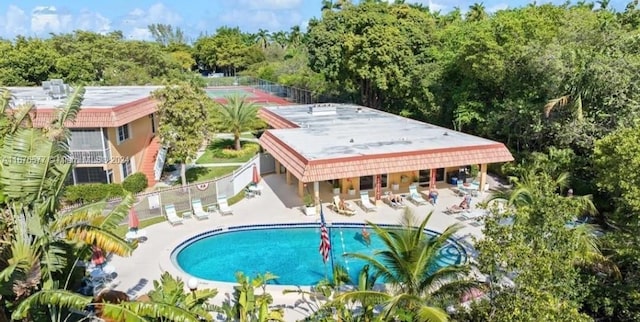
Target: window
123, 133
153, 123
367, 183
90, 175
127, 169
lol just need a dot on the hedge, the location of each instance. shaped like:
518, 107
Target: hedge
135, 183
92, 192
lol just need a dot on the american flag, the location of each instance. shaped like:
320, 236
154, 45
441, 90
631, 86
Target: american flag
325, 244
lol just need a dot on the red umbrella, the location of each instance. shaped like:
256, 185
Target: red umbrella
256, 175
134, 221
97, 258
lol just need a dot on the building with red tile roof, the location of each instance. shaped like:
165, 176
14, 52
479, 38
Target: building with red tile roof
367, 149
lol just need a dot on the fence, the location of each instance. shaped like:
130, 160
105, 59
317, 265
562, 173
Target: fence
149, 204
290, 93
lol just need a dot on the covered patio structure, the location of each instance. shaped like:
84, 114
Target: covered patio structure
355, 148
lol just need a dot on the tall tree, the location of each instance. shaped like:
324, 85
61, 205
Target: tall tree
183, 111
236, 115
166, 34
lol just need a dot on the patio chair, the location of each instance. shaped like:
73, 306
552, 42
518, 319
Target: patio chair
172, 215
198, 211
415, 197
343, 211
223, 206
476, 214
455, 209
366, 202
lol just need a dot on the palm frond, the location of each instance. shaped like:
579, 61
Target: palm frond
58, 298
21, 117
140, 311
5, 100
67, 114
561, 101
105, 240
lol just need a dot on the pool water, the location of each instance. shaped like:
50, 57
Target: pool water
290, 253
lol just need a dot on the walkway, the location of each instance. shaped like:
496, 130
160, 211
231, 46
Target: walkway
277, 204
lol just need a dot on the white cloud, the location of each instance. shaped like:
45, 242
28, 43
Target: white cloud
15, 22
270, 4
134, 24
88, 20
255, 19
50, 19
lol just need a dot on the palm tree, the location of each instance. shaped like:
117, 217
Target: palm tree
19, 116
408, 265
477, 12
262, 38
295, 36
326, 5
237, 115
281, 38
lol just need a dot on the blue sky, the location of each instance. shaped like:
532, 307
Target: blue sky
41, 17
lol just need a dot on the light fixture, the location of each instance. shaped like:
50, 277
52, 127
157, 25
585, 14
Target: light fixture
192, 284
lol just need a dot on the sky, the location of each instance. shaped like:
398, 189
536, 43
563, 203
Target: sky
39, 18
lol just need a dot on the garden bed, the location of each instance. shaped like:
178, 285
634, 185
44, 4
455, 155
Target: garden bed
221, 151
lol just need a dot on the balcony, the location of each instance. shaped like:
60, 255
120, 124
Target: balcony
91, 156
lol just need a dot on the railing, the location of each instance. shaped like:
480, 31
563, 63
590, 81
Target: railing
160, 159
91, 156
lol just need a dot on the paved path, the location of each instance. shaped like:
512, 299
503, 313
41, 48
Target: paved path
277, 204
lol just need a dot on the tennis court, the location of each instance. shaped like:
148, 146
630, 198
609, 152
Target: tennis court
226, 92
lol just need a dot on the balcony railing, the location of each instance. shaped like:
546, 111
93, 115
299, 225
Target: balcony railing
91, 156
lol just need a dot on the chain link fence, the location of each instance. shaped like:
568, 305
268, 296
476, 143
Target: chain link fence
290, 93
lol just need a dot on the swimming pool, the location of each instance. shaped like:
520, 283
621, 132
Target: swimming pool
289, 252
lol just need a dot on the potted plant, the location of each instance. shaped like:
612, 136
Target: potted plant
352, 191
474, 170
309, 207
336, 187
395, 186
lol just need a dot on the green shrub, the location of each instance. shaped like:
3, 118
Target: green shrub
135, 183
92, 192
247, 149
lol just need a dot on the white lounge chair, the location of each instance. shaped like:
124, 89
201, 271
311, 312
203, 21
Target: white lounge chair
198, 211
366, 202
415, 197
172, 215
223, 206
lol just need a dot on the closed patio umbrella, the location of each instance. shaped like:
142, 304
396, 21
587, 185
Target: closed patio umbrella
256, 175
134, 221
97, 256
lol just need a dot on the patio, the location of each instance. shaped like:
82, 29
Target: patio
278, 203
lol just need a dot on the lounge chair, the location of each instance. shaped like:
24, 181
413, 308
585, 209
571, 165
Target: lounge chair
198, 211
172, 216
455, 209
336, 206
476, 214
366, 202
223, 206
415, 197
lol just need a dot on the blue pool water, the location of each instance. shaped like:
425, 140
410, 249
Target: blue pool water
290, 253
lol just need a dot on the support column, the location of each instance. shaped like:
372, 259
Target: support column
483, 177
288, 176
316, 191
300, 188
277, 166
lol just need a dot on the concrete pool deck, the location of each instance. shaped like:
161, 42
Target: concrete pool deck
277, 204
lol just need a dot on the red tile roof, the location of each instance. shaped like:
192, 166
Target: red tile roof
347, 167
99, 117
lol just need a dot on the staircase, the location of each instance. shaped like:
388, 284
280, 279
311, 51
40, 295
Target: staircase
149, 160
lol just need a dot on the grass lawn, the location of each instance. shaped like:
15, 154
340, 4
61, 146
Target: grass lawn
123, 229
203, 174
213, 153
